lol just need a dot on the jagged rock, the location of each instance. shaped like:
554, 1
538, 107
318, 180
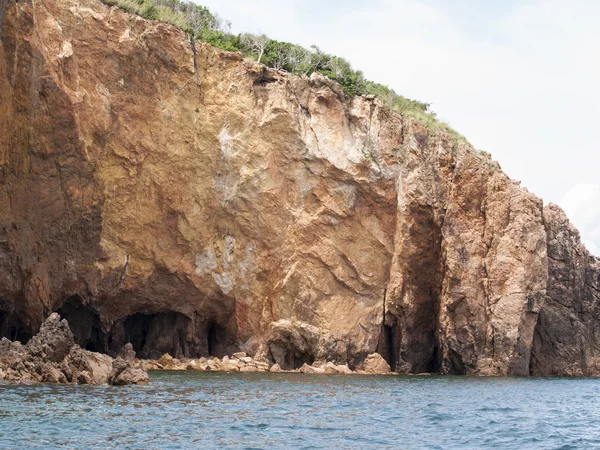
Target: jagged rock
12, 354
52, 357
52, 374
275, 368
94, 368
565, 342
54, 340
249, 369
123, 373
315, 208
239, 355
127, 352
375, 364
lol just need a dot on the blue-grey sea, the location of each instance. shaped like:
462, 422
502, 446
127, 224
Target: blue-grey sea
194, 410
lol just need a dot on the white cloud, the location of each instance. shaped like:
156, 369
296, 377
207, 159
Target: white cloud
519, 78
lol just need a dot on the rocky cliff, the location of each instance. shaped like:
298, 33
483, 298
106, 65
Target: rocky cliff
177, 197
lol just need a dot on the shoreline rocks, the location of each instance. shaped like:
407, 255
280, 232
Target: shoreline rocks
53, 357
239, 362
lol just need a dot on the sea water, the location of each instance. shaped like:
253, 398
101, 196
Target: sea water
234, 410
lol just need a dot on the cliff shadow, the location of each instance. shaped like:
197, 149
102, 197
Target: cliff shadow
288, 356
11, 327
84, 323
389, 341
409, 338
150, 334
154, 334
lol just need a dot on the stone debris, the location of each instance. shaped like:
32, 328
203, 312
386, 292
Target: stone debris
240, 362
53, 357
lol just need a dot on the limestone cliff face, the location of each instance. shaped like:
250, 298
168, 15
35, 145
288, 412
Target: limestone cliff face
188, 201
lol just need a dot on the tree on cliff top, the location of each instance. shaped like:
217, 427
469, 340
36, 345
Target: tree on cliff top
256, 43
203, 25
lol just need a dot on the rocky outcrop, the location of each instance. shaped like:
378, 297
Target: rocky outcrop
566, 340
51, 356
194, 203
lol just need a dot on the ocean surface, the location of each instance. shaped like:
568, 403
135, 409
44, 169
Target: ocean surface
195, 410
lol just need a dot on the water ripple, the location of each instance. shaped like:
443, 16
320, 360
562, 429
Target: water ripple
185, 410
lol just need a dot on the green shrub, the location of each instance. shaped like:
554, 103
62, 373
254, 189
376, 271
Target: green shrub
203, 25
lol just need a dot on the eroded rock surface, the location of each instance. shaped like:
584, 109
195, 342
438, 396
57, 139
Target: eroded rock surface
566, 340
51, 356
203, 212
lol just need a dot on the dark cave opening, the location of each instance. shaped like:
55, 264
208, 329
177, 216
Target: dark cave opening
153, 335
211, 338
216, 340
420, 354
287, 356
135, 330
150, 334
298, 360
12, 328
434, 363
388, 346
84, 323
457, 367
421, 350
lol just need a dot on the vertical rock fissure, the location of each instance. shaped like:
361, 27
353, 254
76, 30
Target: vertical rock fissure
384, 307
123, 271
433, 366
3, 5
196, 74
389, 342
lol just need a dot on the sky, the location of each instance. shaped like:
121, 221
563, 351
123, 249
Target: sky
519, 78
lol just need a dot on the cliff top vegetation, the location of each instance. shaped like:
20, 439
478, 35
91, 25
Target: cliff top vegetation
203, 25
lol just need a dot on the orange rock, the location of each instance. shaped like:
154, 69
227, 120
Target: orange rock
221, 209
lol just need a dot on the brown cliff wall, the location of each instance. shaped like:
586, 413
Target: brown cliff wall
199, 212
